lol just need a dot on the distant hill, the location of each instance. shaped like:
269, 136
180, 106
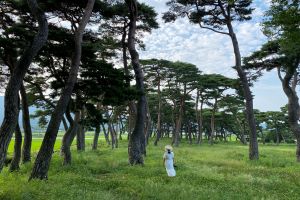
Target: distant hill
34, 122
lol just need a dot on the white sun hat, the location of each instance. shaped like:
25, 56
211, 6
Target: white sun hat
168, 147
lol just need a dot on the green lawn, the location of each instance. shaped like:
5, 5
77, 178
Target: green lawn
221, 171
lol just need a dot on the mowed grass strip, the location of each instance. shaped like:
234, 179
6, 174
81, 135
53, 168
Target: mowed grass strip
221, 171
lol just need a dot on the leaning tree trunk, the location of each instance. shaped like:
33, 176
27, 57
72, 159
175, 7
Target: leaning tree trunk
68, 138
135, 145
66, 127
253, 145
111, 130
131, 104
26, 151
105, 133
17, 150
42, 162
293, 107
12, 90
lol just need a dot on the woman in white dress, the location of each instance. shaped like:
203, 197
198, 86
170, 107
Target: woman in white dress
169, 160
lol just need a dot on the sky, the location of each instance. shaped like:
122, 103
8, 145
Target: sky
212, 52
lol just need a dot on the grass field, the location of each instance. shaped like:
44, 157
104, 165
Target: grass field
221, 171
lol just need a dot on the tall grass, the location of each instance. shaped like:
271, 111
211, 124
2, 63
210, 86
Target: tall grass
221, 171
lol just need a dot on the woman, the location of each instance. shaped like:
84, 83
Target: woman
169, 160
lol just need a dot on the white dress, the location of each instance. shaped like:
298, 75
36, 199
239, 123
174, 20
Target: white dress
169, 163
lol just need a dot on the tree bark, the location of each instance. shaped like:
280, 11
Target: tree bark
158, 128
124, 53
253, 145
197, 116
116, 142
80, 138
132, 117
136, 139
111, 130
189, 132
65, 123
12, 90
212, 123
42, 162
14, 166
68, 138
121, 128
178, 123
26, 151
69, 116
81, 134
293, 106
105, 134
96, 137
147, 126
277, 136
200, 122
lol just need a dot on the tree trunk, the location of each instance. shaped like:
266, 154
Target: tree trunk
65, 149
65, 123
212, 123
253, 145
80, 138
112, 135
105, 134
132, 117
124, 54
26, 126
68, 115
121, 128
12, 90
277, 136
137, 138
178, 123
293, 107
189, 133
81, 133
96, 137
42, 162
197, 116
200, 124
174, 122
147, 126
14, 166
115, 132
131, 104
158, 128
111, 130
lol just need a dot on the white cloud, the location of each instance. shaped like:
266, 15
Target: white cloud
210, 52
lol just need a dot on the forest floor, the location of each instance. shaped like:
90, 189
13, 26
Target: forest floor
221, 171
